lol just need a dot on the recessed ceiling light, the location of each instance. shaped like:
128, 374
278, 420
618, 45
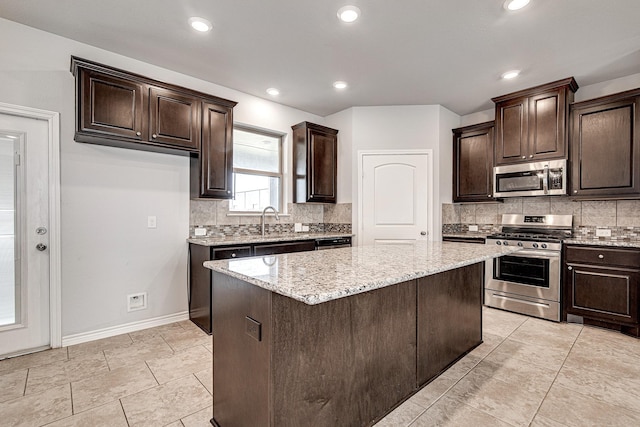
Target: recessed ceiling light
273, 91
340, 85
515, 4
348, 13
200, 24
511, 74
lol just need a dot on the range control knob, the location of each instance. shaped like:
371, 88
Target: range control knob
505, 243
535, 245
520, 244
543, 246
498, 242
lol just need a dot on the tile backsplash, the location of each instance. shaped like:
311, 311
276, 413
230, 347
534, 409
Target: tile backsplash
215, 216
622, 217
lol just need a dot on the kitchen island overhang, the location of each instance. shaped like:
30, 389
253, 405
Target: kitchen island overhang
340, 337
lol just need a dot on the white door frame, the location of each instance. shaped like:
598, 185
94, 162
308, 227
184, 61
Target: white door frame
55, 297
429, 153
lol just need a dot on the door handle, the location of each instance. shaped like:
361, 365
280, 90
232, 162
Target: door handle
423, 233
41, 247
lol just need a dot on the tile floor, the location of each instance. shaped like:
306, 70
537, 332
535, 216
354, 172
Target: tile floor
528, 372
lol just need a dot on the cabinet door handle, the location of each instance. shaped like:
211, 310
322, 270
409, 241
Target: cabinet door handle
570, 268
488, 195
154, 136
600, 256
531, 156
138, 133
524, 157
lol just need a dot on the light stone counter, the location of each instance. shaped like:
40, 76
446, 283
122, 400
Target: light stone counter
270, 237
597, 242
320, 276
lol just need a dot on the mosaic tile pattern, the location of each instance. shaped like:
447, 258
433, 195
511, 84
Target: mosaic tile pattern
257, 238
320, 276
254, 230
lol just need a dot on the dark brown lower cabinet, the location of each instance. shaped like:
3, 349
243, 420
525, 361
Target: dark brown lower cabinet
601, 285
346, 362
200, 277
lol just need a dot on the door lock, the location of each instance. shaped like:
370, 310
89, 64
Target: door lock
41, 231
423, 233
41, 247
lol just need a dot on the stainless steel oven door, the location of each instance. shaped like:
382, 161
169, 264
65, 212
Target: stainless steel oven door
530, 273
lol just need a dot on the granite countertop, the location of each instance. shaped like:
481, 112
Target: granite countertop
271, 237
598, 242
320, 276
472, 234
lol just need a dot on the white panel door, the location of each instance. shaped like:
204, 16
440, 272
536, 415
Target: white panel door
24, 235
395, 195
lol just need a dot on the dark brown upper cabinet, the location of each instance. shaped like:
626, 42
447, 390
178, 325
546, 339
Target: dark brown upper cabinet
605, 147
531, 124
315, 163
122, 109
174, 119
473, 163
212, 171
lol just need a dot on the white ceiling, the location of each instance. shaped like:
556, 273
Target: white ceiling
400, 52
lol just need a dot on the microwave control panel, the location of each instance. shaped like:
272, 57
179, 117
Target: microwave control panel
555, 179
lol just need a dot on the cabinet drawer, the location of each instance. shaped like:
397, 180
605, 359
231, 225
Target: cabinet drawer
603, 256
281, 248
234, 252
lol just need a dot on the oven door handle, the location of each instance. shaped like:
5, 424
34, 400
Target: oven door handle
535, 254
545, 182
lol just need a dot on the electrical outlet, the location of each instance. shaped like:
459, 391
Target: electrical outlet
473, 228
305, 228
137, 301
151, 222
603, 232
200, 231
297, 227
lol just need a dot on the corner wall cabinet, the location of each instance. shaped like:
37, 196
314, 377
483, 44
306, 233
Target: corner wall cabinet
122, 109
315, 163
531, 124
473, 163
601, 285
605, 147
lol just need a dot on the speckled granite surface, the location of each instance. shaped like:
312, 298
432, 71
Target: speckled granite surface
597, 242
467, 235
272, 237
320, 276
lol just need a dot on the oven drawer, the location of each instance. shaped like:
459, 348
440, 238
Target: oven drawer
599, 255
536, 307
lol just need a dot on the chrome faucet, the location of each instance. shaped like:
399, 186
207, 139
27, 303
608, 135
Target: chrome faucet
275, 212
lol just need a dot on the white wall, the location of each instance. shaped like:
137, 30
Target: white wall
343, 121
401, 128
107, 193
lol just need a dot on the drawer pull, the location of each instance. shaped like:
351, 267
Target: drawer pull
600, 256
233, 255
570, 268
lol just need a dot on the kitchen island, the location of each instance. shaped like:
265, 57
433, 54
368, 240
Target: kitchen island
340, 337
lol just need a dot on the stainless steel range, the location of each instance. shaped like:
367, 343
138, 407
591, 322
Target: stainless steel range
528, 281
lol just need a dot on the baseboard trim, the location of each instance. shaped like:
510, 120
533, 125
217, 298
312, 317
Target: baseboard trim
123, 329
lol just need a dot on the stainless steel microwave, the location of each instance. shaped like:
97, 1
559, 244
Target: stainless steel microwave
530, 179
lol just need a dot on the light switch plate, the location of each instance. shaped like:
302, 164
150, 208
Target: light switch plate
473, 228
603, 232
152, 222
200, 231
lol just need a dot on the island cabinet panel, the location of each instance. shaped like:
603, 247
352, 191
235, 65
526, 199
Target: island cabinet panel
532, 124
605, 147
281, 248
473, 163
346, 362
449, 318
241, 360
